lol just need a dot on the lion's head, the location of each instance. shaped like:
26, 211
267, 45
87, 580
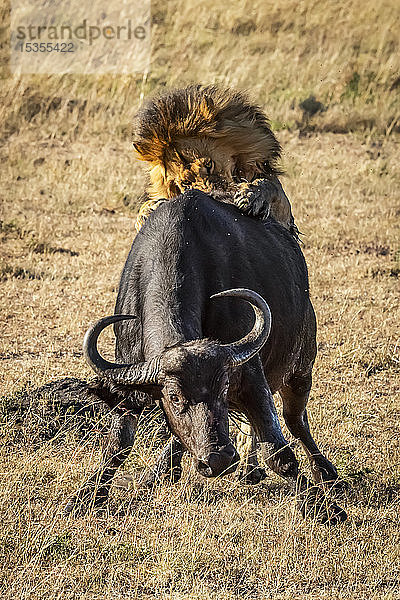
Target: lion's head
204, 137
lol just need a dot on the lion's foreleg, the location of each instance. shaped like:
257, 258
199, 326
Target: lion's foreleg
145, 211
264, 197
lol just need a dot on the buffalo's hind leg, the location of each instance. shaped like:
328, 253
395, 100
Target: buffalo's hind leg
258, 403
295, 396
115, 451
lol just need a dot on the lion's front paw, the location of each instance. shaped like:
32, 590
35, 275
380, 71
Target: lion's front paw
264, 197
253, 198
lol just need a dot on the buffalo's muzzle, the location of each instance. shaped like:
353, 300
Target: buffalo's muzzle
220, 462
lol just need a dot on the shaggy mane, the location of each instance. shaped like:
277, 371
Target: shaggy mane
176, 132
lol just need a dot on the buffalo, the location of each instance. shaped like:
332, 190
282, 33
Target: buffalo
213, 315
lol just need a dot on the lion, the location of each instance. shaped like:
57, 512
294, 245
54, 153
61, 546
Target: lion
215, 140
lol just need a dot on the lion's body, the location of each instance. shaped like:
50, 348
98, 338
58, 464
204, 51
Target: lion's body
213, 140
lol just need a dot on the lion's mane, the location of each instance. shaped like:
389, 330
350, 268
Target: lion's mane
204, 137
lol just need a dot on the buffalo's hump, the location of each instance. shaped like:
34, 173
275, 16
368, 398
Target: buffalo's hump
193, 247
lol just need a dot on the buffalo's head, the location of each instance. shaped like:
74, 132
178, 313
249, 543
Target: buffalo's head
193, 378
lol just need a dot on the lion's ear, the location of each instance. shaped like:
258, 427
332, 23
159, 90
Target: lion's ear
207, 108
137, 147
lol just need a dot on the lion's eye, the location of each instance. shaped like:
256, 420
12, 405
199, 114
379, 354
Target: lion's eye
174, 398
208, 163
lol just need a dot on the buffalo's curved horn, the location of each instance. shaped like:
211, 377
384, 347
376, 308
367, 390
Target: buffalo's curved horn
139, 374
244, 349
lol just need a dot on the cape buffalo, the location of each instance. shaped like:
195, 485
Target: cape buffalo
213, 314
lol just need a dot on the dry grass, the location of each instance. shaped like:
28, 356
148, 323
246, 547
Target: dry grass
347, 56
69, 191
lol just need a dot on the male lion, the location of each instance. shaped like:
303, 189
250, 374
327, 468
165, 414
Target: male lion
215, 140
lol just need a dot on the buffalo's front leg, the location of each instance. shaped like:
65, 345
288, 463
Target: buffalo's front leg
246, 444
294, 396
167, 466
115, 451
258, 403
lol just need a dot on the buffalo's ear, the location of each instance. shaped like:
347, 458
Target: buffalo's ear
123, 397
153, 391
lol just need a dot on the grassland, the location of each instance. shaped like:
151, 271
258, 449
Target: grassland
69, 191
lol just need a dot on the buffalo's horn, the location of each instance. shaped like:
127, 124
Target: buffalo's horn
139, 374
244, 349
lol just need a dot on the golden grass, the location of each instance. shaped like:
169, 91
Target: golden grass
69, 191
201, 539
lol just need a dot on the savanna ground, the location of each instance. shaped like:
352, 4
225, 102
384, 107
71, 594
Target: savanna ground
69, 192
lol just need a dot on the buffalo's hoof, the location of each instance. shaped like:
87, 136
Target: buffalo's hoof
314, 504
327, 476
151, 477
83, 502
324, 471
254, 476
338, 488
